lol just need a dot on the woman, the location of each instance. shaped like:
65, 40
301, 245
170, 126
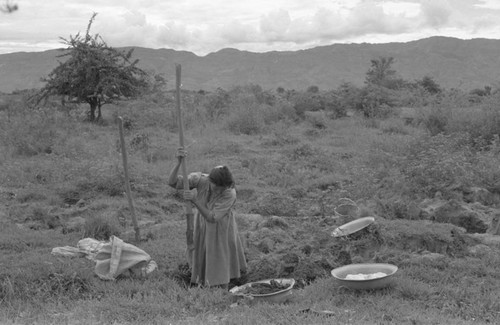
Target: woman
218, 251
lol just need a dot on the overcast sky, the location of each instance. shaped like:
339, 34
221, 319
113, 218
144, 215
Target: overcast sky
204, 26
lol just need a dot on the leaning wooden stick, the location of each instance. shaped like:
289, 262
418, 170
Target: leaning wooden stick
189, 209
127, 182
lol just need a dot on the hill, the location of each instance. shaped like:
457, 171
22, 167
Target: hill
452, 62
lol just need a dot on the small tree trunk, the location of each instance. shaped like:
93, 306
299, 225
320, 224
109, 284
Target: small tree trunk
99, 114
92, 112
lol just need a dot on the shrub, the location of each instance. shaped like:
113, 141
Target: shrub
482, 124
245, 120
435, 162
217, 104
313, 89
436, 121
303, 102
281, 111
281, 135
376, 101
140, 142
316, 119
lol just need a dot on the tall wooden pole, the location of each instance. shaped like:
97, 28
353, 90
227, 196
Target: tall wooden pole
127, 182
189, 209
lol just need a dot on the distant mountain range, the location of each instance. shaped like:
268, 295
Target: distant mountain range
451, 62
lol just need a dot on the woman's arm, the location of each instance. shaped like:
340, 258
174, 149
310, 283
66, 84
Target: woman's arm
172, 178
206, 213
221, 207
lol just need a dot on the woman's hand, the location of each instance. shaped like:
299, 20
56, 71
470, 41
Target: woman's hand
181, 154
188, 195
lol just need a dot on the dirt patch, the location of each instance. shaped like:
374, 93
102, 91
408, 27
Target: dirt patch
305, 250
417, 236
275, 204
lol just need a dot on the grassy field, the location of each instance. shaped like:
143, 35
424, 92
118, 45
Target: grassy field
56, 169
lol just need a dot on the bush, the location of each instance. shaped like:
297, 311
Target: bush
245, 120
436, 121
217, 104
281, 111
376, 101
481, 123
435, 162
393, 126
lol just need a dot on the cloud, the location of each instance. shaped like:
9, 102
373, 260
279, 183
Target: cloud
436, 13
237, 32
135, 18
125, 28
274, 26
174, 34
370, 18
488, 4
204, 26
326, 24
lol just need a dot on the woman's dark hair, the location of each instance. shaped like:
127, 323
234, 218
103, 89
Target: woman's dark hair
221, 176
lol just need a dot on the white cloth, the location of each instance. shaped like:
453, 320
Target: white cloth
362, 276
112, 258
67, 251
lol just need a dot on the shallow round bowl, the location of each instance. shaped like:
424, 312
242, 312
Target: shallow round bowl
341, 273
352, 227
347, 210
274, 297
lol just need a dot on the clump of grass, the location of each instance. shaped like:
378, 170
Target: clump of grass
101, 227
112, 185
138, 115
182, 275
281, 139
273, 222
30, 196
40, 214
32, 136
394, 126
414, 290
302, 151
42, 281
